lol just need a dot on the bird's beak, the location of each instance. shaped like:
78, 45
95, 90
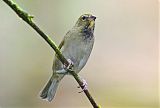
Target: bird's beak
93, 17
91, 22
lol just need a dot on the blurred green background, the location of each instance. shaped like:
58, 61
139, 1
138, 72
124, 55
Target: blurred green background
121, 72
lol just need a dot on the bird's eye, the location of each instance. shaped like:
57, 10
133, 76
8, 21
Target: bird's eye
84, 18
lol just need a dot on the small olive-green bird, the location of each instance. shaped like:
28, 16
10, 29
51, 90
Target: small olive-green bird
76, 48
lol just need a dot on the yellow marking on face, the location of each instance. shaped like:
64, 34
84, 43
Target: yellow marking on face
91, 24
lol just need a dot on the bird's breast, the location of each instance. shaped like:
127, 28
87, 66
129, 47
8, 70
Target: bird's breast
78, 50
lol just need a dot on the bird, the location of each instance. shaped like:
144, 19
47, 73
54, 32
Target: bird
76, 47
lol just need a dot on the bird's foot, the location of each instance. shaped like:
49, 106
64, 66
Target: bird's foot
63, 71
84, 86
70, 66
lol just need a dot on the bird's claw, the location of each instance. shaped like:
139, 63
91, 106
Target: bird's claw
84, 86
69, 67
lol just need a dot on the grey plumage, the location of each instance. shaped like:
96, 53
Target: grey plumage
76, 46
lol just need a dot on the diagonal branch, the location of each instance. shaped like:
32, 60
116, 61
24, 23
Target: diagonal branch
28, 19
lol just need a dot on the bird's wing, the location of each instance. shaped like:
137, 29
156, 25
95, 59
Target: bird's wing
56, 60
56, 63
63, 41
61, 44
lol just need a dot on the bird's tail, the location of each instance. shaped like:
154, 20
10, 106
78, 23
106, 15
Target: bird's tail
49, 90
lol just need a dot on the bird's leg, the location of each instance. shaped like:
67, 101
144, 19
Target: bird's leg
70, 66
84, 86
62, 71
66, 68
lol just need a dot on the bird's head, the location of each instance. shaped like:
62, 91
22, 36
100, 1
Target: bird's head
86, 21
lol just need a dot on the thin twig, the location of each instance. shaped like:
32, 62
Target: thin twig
28, 19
